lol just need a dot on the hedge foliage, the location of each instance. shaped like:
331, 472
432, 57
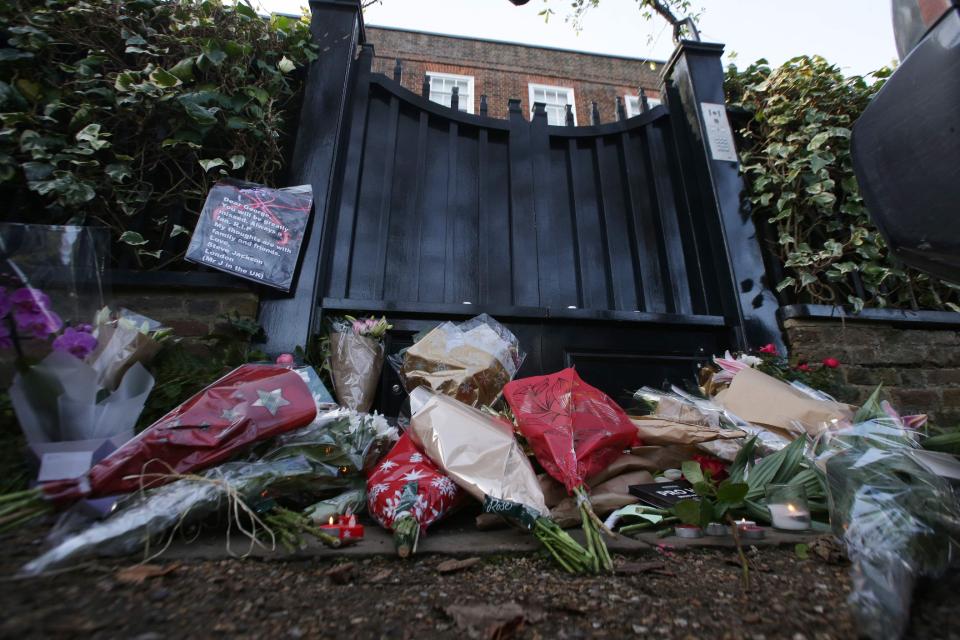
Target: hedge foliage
123, 113
795, 154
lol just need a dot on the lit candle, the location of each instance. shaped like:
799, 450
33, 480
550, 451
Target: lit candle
789, 516
347, 529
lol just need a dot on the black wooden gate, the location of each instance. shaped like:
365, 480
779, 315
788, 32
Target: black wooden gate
606, 247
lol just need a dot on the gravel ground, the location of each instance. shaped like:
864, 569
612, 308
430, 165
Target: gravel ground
661, 594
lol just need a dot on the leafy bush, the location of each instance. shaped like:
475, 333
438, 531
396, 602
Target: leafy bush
124, 113
795, 152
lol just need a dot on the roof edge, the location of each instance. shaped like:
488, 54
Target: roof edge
515, 44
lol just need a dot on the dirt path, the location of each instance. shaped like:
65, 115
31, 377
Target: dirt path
661, 594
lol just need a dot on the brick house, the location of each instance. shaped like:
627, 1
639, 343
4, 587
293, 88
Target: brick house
505, 70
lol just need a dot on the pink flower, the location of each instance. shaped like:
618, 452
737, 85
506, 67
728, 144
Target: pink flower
803, 366
285, 360
38, 324
77, 343
831, 363
769, 348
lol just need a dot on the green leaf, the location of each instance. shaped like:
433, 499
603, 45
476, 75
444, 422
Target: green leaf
688, 511
692, 471
183, 69
214, 54
732, 492
125, 81
246, 10
237, 161
132, 238
152, 254
163, 78
211, 163
286, 65
201, 115
786, 282
118, 171
179, 231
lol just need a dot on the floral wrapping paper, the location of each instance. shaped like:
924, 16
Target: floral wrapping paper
436, 494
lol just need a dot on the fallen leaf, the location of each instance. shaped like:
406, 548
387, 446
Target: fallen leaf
138, 573
449, 566
380, 576
342, 573
490, 621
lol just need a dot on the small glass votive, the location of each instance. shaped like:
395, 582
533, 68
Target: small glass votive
788, 506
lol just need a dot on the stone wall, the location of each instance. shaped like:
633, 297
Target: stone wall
191, 313
920, 368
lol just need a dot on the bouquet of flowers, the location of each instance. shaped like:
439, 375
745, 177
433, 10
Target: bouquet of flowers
575, 431
317, 460
897, 519
471, 361
250, 404
480, 453
356, 359
65, 397
407, 493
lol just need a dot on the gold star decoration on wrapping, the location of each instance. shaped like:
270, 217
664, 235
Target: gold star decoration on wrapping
271, 400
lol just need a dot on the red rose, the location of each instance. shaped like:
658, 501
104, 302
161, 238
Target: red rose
803, 367
769, 348
831, 363
716, 467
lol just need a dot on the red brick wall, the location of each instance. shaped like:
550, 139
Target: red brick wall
503, 71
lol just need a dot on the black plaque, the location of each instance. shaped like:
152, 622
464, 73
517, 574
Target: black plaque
663, 495
252, 231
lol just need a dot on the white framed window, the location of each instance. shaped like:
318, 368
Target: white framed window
632, 103
556, 99
441, 89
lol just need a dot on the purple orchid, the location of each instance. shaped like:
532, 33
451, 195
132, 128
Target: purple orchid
5, 303
38, 325
75, 342
32, 313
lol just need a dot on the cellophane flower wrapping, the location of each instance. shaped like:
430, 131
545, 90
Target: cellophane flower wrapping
327, 459
898, 520
250, 404
575, 430
470, 361
356, 362
434, 493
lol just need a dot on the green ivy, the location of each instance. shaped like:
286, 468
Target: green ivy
124, 113
795, 156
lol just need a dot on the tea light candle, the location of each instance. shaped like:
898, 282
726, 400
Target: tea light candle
790, 517
688, 531
673, 474
346, 529
717, 529
752, 532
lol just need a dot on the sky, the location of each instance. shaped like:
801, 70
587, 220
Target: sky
854, 34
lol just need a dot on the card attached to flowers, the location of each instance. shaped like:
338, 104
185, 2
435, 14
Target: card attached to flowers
252, 231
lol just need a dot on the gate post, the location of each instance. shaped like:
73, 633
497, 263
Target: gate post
693, 86
337, 29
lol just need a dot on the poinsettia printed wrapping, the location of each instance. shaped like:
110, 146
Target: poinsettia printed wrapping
248, 405
575, 431
408, 485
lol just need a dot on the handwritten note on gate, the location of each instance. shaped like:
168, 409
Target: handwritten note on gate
252, 231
